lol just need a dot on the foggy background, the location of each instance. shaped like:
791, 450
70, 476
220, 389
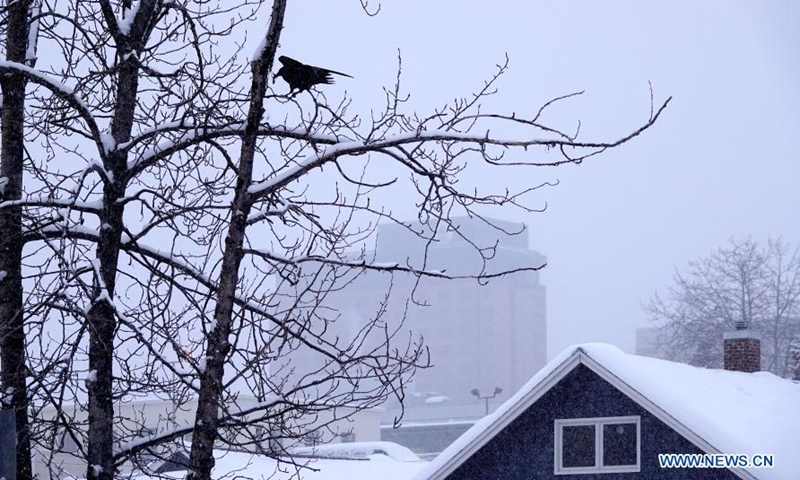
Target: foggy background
721, 162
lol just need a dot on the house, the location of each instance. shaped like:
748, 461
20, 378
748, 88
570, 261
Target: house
595, 412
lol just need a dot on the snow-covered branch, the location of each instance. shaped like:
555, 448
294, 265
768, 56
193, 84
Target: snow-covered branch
421, 137
60, 91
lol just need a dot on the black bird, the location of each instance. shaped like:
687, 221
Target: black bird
301, 77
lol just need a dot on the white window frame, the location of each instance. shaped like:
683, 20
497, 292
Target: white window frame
598, 467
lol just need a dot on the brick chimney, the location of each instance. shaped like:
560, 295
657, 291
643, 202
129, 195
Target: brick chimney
742, 349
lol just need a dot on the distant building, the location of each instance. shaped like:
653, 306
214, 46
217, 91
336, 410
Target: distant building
480, 336
428, 430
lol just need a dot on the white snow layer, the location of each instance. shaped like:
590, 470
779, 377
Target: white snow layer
735, 412
360, 450
247, 465
127, 18
109, 144
33, 32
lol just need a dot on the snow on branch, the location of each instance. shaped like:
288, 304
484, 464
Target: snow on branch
196, 136
79, 232
128, 15
33, 33
101, 284
388, 267
419, 137
127, 449
86, 207
61, 91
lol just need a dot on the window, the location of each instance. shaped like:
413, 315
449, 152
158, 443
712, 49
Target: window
578, 446
592, 445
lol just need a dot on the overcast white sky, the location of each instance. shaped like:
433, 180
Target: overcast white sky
722, 162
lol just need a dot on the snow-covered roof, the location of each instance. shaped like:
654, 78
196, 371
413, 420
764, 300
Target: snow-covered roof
249, 465
362, 450
718, 410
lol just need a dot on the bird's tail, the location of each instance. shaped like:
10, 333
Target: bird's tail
340, 73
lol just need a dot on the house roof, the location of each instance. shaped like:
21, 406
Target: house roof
719, 411
248, 465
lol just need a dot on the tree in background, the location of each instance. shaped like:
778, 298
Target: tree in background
794, 359
746, 283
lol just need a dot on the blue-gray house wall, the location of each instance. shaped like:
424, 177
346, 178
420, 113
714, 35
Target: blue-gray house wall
525, 448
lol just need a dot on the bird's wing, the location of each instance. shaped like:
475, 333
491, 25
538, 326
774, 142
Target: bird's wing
289, 62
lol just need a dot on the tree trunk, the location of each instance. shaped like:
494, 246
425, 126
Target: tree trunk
12, 334
101, 316
217, 346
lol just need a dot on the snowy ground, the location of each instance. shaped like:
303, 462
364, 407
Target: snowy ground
232, 465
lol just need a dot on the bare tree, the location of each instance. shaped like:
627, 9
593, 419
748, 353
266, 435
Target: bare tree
794, 359
748, 284
177, 243
122, 70
304, 244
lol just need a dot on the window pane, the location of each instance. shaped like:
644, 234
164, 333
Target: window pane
619, 444
577, 446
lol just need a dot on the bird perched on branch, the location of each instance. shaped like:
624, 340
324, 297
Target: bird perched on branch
301, 77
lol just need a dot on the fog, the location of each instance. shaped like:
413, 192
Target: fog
720, 163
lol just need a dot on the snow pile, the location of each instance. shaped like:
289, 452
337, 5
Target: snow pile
355, 450
247, 465
438, 399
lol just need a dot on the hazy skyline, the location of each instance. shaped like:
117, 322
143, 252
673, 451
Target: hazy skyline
720, 163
